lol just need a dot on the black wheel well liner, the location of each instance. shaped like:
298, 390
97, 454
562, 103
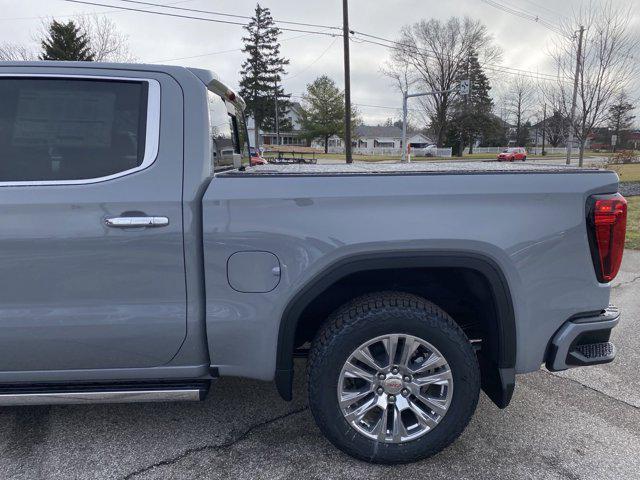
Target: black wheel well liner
396, 260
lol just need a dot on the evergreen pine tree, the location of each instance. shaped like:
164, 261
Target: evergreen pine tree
621, 117
65, 41
323, 111
471, 114
262, 71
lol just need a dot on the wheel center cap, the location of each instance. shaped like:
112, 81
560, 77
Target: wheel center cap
393, 385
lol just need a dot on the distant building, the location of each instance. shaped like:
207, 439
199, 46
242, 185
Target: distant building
375, 138
632, 139
288, 137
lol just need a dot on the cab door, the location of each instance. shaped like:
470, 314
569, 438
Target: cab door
91, 244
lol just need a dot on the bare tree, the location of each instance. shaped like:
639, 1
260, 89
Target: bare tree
519, 100
15, 52
107, 43
436, 53
607, 63
403, 78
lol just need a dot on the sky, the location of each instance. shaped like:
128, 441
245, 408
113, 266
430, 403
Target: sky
216, 46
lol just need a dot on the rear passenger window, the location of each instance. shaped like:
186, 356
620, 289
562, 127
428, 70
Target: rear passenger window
70, 129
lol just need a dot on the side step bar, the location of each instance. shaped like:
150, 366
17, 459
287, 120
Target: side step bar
107, 393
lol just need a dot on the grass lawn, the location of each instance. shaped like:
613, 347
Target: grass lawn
628, 172
633, 223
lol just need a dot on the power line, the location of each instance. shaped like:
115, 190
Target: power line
365, 105
539, 6
526, 15
494, 68
219, 52
289, 77
431, 55
107, 12
191, 17
224, 14
488, 66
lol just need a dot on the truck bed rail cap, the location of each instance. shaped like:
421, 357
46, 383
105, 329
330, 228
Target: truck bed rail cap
411, 168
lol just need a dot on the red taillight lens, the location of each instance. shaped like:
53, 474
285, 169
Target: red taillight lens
609, 225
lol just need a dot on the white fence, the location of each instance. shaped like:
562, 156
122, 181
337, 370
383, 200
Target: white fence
431, 152
532, 150
415, 152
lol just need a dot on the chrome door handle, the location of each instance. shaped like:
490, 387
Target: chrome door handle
132, 222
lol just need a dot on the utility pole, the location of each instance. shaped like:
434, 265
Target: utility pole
347, 82
544, 125
277, 116
575, 95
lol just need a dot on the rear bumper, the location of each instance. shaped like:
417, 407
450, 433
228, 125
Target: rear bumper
583, 341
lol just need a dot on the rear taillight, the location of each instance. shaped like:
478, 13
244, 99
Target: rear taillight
607, 218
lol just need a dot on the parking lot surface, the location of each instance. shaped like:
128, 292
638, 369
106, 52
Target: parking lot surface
579, 424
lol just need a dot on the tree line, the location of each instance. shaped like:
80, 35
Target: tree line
428, 55
432, 55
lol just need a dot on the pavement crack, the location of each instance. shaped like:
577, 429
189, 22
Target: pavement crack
229, 443
617, 400
628, 282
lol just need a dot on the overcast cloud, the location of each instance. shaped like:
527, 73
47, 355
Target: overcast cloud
161, 39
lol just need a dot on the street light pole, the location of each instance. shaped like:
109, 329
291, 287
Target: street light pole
544, 125
347, 82
575, 95
462, 88
403, 145
277, 116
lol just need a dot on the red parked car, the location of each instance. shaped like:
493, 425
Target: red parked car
513, 153
256, 157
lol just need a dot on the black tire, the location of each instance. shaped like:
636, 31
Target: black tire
368, 317
524, 159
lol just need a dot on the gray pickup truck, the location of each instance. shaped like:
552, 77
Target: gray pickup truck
135, 266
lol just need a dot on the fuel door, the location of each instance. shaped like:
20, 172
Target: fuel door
253, 271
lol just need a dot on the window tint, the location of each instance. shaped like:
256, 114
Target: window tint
70, 129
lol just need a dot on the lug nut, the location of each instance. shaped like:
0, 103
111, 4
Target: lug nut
407, 378
392, 398
405, 392
380, 391
395, 370
381, 376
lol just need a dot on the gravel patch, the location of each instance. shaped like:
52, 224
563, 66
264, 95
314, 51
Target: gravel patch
629, 189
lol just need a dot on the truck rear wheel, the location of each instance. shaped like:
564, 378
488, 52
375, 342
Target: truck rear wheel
392, 378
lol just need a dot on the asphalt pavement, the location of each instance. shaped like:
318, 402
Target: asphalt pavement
579, 424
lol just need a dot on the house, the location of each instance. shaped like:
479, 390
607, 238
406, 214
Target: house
373, 139
632, 139
289, 137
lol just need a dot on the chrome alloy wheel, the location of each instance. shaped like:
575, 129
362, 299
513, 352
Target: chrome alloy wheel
395, 388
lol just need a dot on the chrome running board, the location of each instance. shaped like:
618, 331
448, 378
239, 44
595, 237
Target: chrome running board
114, 392
124, 396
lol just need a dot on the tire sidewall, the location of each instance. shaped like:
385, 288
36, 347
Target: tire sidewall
403, 320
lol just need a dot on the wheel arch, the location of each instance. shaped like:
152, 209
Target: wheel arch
499, 385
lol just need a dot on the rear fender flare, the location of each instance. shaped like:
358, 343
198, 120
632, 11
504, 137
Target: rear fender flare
506, 322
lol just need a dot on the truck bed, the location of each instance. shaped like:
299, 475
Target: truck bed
421, 168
